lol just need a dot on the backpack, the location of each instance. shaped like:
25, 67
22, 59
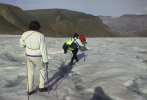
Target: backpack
65, 46
70, 44
73, 45
82, 37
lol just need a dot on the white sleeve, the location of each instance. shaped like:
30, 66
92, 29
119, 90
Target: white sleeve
79, 43
43, 49
22, 43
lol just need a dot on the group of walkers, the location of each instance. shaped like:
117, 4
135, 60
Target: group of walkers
74, 44
36, 53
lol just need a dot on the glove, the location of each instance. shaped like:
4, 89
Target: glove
65, 51
46, 64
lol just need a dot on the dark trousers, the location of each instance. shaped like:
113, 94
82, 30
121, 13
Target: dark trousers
74, 57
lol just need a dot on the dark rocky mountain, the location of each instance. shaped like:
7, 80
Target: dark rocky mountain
13, 20
54, 22
61, 22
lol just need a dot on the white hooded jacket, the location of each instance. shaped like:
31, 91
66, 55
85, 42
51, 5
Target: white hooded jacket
34, 44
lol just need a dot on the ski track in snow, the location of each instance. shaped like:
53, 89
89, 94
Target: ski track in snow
112, 68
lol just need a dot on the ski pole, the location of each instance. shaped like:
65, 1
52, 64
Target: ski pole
84, 57
46, 65
28, 83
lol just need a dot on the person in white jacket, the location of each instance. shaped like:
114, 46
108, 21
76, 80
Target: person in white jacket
36, 55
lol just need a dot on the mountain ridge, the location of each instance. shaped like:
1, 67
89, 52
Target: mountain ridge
54, 22
13, 19
128, 23
66, 21
63, 23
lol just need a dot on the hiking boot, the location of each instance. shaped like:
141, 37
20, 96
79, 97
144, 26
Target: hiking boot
77, 60
43, 89
71, 63
30, 93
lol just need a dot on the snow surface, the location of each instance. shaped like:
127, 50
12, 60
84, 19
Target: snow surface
111, 69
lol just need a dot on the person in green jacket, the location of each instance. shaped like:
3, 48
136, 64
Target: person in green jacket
73, 45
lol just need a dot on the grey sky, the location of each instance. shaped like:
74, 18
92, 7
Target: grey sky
95, 7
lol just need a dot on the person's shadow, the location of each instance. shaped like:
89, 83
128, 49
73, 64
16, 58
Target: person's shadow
54, 81
100, 95
82, 55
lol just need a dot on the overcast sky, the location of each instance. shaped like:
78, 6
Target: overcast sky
94, 7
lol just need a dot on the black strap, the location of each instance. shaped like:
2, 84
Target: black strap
28, 36
34, 55
76, 42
